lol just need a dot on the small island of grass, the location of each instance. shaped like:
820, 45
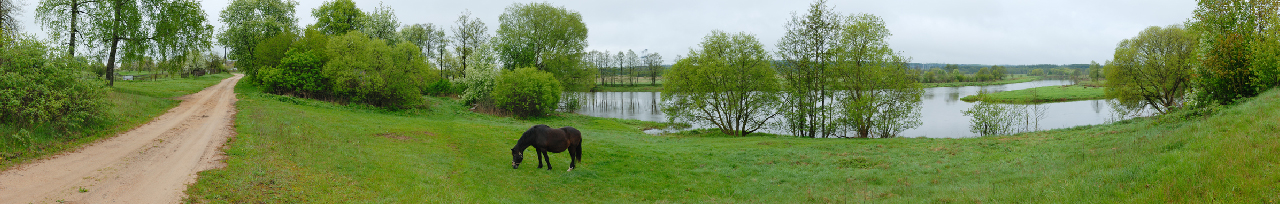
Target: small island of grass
1042, 95
982, 83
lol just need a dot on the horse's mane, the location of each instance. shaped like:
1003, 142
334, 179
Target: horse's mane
530, 136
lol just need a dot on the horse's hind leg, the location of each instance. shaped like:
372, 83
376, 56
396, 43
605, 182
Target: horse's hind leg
575, 154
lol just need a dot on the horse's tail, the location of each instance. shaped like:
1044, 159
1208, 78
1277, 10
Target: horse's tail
577, 152
575, 149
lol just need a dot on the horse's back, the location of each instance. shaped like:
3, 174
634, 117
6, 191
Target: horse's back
573, 135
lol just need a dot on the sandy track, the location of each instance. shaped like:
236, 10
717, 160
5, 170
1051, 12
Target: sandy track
150, 164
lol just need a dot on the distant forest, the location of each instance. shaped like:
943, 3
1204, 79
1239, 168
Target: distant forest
1011, 69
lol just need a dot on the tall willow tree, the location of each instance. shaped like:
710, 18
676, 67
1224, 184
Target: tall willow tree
249, 22
729, 83
1154, 68
546, 37
841, 75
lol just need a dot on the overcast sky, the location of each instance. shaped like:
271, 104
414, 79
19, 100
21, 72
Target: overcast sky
930, 31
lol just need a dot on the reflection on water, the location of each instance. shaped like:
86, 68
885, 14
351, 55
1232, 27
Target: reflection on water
941, 112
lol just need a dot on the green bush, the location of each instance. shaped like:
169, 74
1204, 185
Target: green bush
439, 88
477, 84
527, 92
298, 73
365, 70
37, 88
268, 54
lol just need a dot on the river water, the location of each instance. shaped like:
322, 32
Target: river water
942, 111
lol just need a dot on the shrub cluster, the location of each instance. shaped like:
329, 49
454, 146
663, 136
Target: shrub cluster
39, 88
527, 92
351, 67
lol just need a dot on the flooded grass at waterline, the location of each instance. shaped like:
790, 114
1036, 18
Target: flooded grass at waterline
941, 112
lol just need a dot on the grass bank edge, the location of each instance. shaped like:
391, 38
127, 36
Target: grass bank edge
1046, 94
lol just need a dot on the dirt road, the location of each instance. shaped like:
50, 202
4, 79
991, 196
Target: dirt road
150, 164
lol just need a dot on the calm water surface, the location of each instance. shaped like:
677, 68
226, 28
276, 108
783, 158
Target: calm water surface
941, 115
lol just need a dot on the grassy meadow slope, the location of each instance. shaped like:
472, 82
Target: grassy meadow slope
133, 103
292, 150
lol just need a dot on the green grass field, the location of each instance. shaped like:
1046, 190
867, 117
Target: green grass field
133, 103
1045, 94
1011, 80
292, 150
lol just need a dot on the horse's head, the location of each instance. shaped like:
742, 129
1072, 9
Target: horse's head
516, 157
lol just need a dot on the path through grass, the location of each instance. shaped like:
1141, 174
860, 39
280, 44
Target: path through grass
133, 103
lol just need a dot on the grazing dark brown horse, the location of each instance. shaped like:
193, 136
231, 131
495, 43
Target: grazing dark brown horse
544, 139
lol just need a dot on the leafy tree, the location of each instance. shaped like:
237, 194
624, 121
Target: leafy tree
269, 52
998, 72
956, 76
1266, 56
1153, 68
633, 61
478, 84
1037, 72
832, 59
621, 60
808, 51
984, 74
1095, 71
545, 37
470, 36
337, 17
729, 83
1230, 32
527, 92
366, 70
299, 73
169, 28
250, 22
431, 39
9, 25
883, 97
59, 16
382, 24
654, 62
993, 119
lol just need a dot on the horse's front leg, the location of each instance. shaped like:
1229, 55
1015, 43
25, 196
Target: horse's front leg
539, 153
547, 155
